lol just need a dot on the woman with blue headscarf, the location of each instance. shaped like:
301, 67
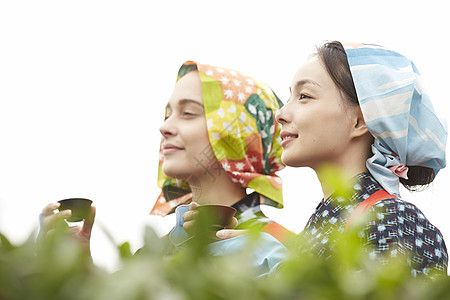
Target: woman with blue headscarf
361, 109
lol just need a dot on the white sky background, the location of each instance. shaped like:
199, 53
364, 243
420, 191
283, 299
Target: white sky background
83, 85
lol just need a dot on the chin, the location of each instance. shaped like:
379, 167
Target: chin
292, 161
287, 159
172, 170
177, 171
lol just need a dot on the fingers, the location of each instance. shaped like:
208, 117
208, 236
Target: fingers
232, 224
189, 217
189, 225
193, 205
51, 220
226, 234
48, 210
88, 223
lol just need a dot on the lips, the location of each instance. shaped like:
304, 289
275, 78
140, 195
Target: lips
170, 148
287, 137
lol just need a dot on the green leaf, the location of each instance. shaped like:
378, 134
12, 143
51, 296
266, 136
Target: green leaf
125, 251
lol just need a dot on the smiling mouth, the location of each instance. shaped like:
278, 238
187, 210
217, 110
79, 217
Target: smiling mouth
287, 137
169, 149
286, 140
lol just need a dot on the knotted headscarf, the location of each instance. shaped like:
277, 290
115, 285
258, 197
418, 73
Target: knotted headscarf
243, 133
398, 114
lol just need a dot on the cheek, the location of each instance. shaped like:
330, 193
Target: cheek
198, 143
199, 153
194, 134
322, 131
333, 121
309, 127
335, 136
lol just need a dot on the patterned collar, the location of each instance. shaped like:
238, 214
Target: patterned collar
338, 207
249, 211
251, 200
364, 184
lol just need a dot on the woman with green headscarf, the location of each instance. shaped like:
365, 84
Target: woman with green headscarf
219, 138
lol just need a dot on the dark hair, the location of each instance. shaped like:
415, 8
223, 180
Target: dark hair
334, 58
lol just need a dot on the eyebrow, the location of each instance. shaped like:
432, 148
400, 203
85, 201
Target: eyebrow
304, 82
186, 102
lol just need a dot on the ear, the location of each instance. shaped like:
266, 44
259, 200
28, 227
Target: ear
359, 127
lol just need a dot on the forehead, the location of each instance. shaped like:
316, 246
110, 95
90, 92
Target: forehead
313, 70
188, 87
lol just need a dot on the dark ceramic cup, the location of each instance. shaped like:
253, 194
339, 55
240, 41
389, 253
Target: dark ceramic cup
80, 208
218, 216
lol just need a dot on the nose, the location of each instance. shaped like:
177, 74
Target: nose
168, 128
281, 116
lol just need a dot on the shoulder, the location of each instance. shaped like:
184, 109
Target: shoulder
401, 215
402, 212
400, 226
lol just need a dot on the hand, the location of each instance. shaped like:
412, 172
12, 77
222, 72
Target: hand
189, 219
51, 219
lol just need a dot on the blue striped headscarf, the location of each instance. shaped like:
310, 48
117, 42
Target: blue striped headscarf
398, 114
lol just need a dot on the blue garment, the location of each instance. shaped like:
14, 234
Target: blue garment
268, 251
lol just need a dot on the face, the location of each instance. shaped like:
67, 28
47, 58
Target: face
185, 139
316, 121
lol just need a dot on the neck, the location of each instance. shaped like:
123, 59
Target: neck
216, 190
339, 175
335, 179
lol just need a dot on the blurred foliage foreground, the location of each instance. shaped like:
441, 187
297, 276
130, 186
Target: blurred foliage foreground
59, 268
